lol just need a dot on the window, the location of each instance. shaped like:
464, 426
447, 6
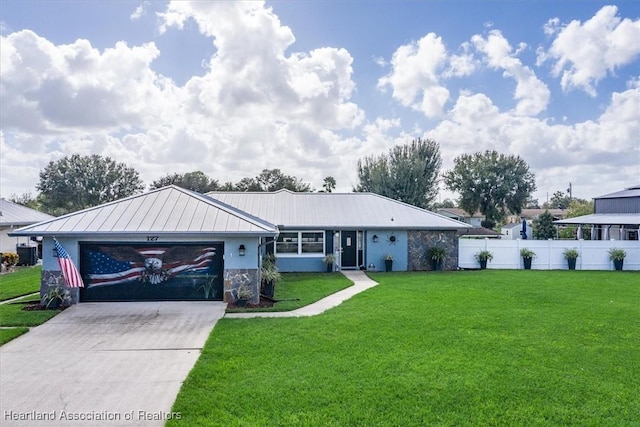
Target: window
287, 243
300, 243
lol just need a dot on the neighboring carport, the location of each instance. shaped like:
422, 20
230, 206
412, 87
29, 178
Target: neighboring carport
104, 364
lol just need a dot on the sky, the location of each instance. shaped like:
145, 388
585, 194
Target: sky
310, 87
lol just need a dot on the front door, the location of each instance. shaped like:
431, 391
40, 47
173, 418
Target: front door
349, 249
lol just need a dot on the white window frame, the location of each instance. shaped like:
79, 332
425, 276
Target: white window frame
301, 254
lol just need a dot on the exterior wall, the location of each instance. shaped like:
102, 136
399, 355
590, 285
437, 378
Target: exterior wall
298, 264
376, 251
419, 242
617, 205
549, 253
237, 269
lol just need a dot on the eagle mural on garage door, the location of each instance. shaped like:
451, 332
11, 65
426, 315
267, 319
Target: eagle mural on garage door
105, 265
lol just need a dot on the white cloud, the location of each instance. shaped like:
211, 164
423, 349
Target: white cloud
414, 77
584, 53
531, 93
557, 153
140, 11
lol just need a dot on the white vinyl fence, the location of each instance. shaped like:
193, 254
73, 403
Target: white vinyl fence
594, 254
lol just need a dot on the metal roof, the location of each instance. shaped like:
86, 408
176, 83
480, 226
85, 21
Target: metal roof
15, 214
166, 210
633, 191
603, 219
335, 210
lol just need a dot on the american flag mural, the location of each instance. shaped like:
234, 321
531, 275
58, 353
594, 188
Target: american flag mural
152, 272
108, 265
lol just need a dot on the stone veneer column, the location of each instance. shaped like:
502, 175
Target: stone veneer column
234, 278
419, 242
52, 279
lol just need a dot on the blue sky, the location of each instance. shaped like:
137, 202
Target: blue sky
230, 88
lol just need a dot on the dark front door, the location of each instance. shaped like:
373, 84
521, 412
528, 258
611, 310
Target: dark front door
163, 271
349, 249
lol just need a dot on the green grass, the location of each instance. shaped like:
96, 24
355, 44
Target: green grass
300, 289
508, 348
7, 335
12, 314
21, 282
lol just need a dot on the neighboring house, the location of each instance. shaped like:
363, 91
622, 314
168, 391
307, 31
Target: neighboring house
616, 217
175, 244
479, 233
13, 216
531, 214
462, 216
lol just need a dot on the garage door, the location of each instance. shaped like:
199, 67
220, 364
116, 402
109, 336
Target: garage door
151, 272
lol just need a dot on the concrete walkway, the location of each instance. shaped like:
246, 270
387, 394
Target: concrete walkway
104, 364
361, 282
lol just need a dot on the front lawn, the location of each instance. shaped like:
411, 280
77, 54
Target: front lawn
8, 334
299, 289
12, 314
21, 282
456, 348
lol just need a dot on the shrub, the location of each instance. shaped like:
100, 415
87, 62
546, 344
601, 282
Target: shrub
527, 253
10, 259
571, 253
484, 256
617, 254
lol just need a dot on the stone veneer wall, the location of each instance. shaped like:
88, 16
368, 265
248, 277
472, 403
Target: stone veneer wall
51, 279
419, 242
234, 278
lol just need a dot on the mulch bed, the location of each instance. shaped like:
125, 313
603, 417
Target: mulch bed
36, 306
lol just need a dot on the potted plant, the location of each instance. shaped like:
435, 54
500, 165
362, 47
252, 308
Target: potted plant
56, 297
329, 260
527, 256
244, 293
436, 255
482, 257
270, 276
617, 255
388, 262
571, 255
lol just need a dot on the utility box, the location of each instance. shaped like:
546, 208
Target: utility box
27, 255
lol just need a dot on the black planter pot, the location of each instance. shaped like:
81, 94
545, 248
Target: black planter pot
388, 265
241, 303
572, 263
483, 264
436, 265
527, 263
329, 267
268, 289
618, 263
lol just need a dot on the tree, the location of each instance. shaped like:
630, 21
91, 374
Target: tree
543, 227
268, 180
79, 182
25, 199
559, 200
194, 181
274, 180
446, 203
408, 173
577, 207
492, 183
329, 184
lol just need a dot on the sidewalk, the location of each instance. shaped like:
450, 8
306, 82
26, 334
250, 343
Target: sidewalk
361, 282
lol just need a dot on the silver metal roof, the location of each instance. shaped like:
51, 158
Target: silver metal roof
292, 210
603, 219
15, 214
633, 191
167, 210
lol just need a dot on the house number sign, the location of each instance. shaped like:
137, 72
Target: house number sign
152, 238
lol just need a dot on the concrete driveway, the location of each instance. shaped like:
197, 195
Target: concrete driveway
104, 364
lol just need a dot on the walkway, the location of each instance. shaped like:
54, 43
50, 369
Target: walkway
361, 282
